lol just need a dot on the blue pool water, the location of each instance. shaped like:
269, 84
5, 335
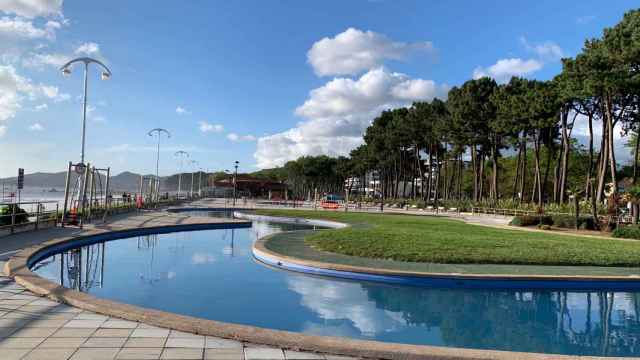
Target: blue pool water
211, 274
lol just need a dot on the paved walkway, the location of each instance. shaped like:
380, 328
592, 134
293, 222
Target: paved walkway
33, 327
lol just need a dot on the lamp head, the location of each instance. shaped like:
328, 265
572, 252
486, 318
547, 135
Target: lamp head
66, 71
105, 76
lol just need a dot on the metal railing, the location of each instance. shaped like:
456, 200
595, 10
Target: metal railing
102, 207
618, 219
28, 215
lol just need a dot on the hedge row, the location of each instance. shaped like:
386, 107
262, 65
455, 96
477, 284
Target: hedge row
6, 212
563, 221
529, 220
627, 232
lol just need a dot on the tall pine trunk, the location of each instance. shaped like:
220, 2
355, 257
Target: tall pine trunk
536, 144
612, 154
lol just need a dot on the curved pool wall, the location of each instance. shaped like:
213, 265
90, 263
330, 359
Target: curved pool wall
127, 233
443, 280
513, 326
290, 220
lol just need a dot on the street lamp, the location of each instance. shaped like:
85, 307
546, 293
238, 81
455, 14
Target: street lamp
106, 74
158, 132
235, 182
226, 198
193, 163
181, 155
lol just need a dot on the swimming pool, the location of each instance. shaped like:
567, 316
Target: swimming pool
211, 274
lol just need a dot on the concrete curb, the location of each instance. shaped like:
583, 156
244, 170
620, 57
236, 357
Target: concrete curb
515, 281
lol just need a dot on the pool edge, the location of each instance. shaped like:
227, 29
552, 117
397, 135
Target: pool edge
445, 279
18, 269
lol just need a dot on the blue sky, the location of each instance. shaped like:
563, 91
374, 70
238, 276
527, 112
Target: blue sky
261, 82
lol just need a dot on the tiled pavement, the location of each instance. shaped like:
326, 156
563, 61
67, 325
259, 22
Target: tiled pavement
35, 328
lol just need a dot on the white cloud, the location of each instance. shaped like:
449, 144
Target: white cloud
236, 138
414, 89
19, 28
32, 8
548, 50
41, 107
208, 127
36, 127
88, 48
50, 91
504, 69
128, 148
12, 86
581, 133
354, 51
53, 93
182, 111
94, 116
40, 61
14, 89
3, 130
338, 113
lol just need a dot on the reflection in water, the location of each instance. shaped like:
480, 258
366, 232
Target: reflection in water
80, 269
212, 274
147, 247
588, 323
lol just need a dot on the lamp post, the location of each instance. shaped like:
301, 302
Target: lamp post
158, 132
199, 182
226, 198
193, 163
106, 74
181, 155
235, 182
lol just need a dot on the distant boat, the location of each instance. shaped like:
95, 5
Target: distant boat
52, 190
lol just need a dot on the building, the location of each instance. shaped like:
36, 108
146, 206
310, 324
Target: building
250, 187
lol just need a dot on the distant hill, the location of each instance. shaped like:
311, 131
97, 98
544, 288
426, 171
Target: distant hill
126, 181
130, 182
40, 179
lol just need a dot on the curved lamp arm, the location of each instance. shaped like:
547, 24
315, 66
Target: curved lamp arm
86, 60
159, 131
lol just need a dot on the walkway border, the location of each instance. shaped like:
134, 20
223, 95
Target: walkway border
18, 269
432, 279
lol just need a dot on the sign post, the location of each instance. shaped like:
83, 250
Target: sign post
20, 181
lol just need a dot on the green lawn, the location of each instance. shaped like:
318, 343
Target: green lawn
438, 240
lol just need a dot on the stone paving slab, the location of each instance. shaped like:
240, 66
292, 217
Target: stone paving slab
84, 335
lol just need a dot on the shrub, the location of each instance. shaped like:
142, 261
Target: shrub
569, 222
627, 232
528, 220
21, 215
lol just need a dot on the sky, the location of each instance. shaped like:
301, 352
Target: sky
260, 82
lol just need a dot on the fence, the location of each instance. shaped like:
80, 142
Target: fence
28, 215
618, 219
99, 208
